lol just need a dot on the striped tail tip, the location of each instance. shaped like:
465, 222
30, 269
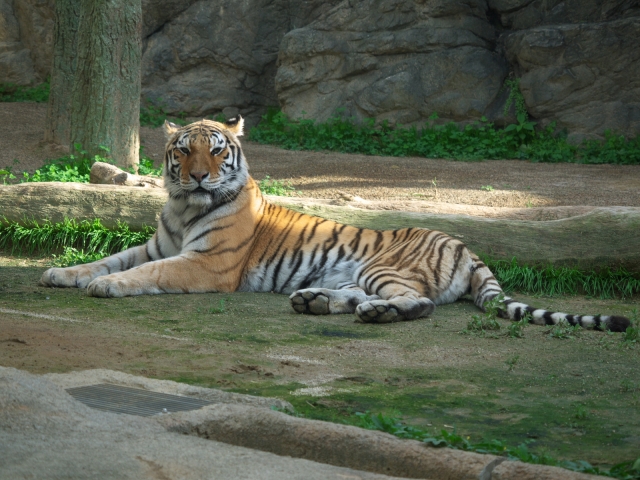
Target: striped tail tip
617, 324
517, 311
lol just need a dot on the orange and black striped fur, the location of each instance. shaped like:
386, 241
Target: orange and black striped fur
217, 233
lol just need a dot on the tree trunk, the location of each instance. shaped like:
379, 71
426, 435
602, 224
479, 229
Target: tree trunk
96, 102
63, 71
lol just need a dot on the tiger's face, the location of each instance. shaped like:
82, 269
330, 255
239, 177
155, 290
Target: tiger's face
204, 163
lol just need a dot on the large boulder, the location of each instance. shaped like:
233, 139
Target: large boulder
219, 55
585, 77
26, 40
396, 60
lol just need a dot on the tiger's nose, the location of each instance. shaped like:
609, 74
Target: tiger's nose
199, 176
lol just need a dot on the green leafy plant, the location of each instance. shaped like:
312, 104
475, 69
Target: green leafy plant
475, 141
10, 92
623, 471
270, 186
72, 256
515, 98
511, 362
563, 331
488, 188
153, 114
75, 167
5, 174
632, 335
480, 325
219, 309
580, 412
516, 329
524, 130
146, 167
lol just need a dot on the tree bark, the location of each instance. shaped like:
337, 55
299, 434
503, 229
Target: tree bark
101, 90
63, 71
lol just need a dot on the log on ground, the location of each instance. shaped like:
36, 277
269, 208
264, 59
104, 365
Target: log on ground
605, 236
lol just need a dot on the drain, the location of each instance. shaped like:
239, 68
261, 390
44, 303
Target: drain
133, 401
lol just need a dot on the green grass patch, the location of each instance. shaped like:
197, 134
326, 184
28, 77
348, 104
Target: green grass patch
10, 92
476, 141
75, 167
552, 280
271, 186
93, 239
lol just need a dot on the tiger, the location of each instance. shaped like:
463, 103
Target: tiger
218, 233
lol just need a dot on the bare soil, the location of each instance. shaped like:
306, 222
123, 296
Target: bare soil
558, 394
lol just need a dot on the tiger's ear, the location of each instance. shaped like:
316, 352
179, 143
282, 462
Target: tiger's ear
235, 125
170, 128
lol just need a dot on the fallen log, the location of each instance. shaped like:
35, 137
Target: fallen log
604, 236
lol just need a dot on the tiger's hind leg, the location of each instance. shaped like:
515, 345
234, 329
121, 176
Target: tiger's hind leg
323, 301
401, 297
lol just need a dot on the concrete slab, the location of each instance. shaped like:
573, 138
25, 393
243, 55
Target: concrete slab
46, 433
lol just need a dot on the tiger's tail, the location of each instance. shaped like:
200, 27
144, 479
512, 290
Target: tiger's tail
485, 287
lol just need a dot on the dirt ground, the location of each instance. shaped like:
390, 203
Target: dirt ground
558, 394
390, 182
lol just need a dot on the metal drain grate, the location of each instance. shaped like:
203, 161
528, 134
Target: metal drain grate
134, 401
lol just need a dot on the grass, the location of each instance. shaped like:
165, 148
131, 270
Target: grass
476, 141
75, 168
552, 280
436, 377
280, 188
92, 238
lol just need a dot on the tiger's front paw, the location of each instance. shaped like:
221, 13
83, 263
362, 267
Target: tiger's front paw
378, 311
66, 277
109, 286
310, 301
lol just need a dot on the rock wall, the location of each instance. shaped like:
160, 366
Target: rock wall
221, 55
403, 60
399, 60
26, 40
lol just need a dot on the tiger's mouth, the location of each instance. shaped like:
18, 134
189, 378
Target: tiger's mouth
200, 191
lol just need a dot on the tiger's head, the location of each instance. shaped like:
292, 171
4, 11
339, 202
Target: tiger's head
203, 162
